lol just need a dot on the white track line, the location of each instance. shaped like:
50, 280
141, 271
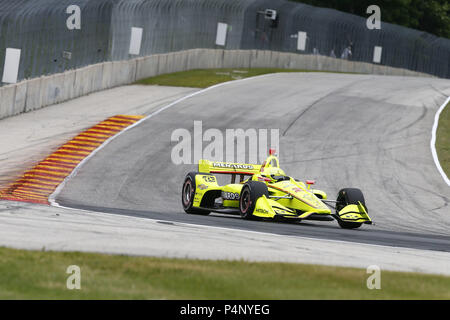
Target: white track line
433, 142
52, 198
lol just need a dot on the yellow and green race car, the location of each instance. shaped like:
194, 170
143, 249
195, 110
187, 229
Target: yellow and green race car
268, 194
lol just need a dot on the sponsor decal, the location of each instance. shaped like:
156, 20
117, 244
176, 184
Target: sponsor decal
203, 187
233, 166
259, 210
209, 178
230, 196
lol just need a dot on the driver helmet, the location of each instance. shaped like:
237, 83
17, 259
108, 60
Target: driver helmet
272, 173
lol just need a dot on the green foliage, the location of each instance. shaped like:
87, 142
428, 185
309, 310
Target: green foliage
432, 16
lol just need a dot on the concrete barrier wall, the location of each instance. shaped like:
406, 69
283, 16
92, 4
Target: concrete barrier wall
40, 92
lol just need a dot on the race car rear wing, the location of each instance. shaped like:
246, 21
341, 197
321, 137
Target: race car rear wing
206, 166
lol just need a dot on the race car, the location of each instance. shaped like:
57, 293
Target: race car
266, 192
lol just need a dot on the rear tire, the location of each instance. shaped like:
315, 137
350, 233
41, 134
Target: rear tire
188, 193
250, 193
345, 197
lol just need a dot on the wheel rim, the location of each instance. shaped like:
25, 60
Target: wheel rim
187, 193
245, 201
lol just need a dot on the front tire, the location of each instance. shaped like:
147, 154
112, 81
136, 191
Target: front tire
250, 193
345, 197
187, 195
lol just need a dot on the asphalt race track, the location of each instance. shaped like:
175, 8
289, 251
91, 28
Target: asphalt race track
370, 132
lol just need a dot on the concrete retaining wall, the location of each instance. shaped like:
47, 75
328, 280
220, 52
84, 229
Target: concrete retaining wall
40, 92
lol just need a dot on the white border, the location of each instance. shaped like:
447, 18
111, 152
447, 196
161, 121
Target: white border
433, 142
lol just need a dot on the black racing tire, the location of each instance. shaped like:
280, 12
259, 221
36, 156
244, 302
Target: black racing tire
345, 197
250, 193
187, 195
349, 225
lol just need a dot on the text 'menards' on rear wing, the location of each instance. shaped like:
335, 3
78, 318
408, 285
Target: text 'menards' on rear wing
206, 166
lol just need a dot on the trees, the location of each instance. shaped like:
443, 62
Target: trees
432, 16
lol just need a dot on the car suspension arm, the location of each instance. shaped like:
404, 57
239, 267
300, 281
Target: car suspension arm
329, 203
278, 198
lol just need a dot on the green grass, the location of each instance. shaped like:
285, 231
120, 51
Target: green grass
443, 140
204, 78
42, 275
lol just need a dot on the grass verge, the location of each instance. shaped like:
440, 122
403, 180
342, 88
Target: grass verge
443, 140
203, 78
42, 275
